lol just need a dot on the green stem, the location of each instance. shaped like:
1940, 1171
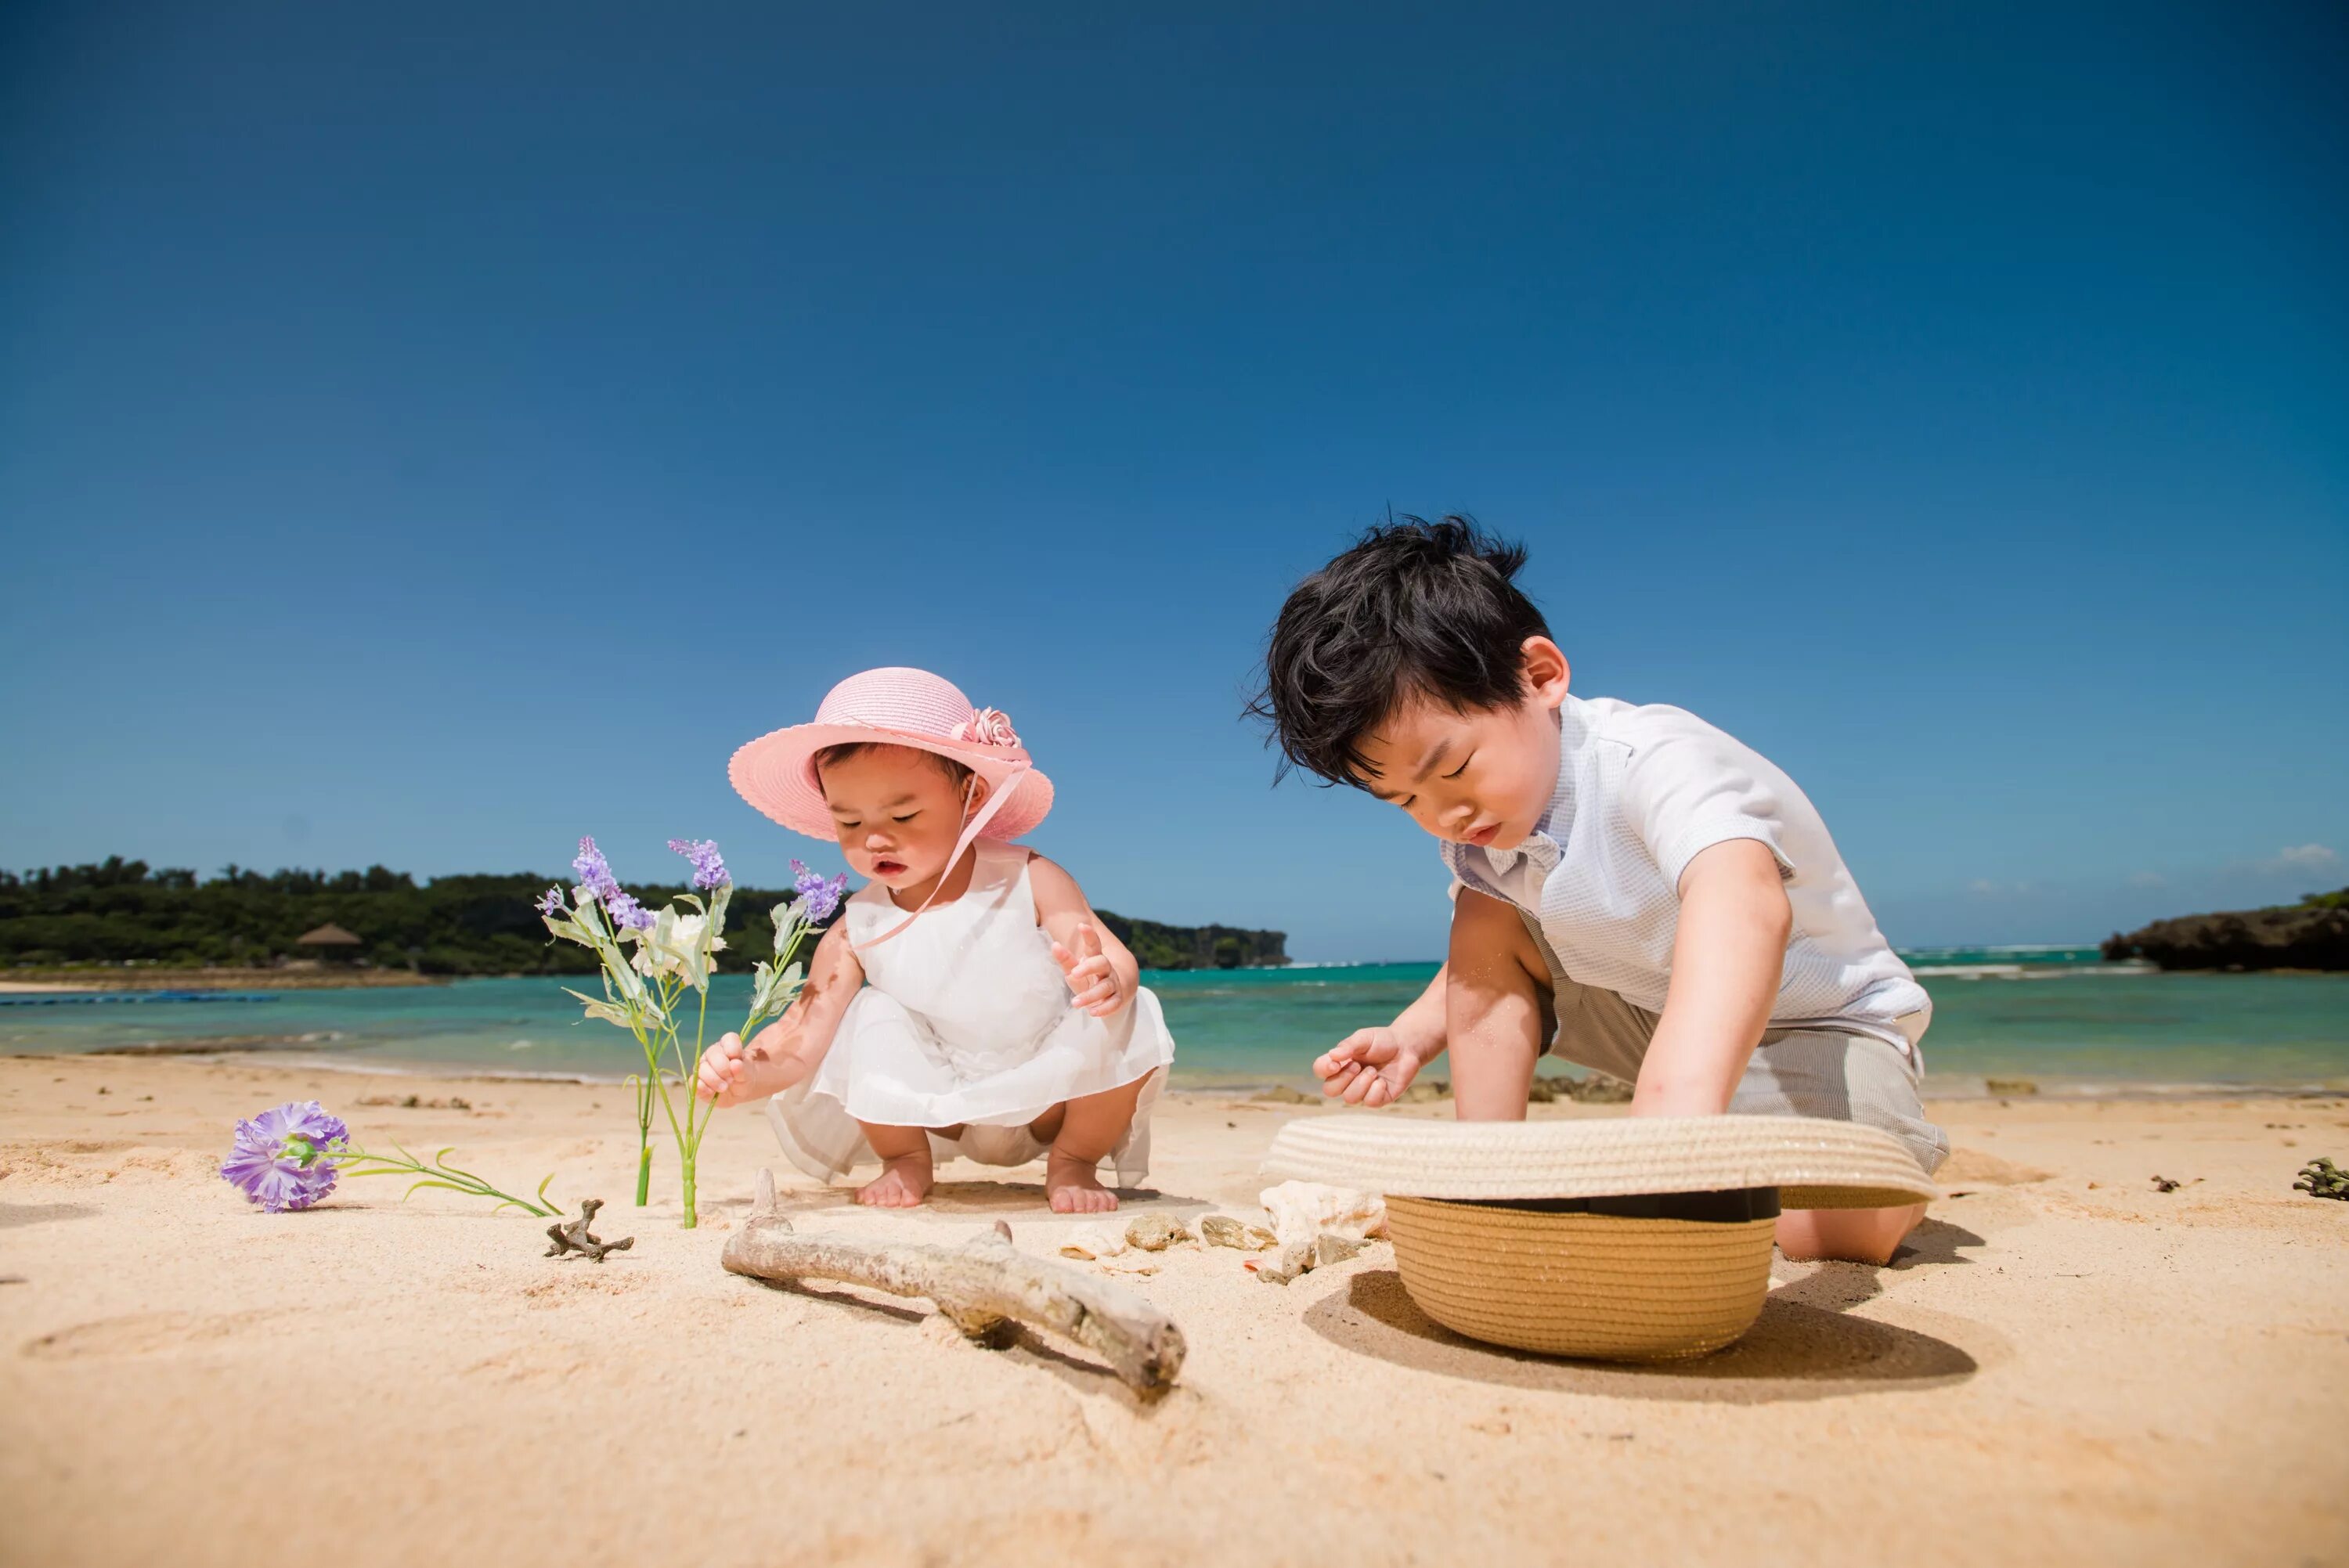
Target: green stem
644, 1127
439, 1174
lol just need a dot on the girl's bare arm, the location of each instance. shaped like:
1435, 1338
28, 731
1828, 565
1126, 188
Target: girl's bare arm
1102, 974
793, 1046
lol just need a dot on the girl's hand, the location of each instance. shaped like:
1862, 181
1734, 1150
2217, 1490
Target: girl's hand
721, 1072
1093, 980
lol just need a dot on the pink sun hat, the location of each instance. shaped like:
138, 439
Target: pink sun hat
893, 707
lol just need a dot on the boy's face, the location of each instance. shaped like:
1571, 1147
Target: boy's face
895, 813
1484, 777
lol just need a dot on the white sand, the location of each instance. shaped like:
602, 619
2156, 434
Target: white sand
2069, 1367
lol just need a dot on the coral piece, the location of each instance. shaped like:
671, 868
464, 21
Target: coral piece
1331, 1248
1229, 1231
981, 1287
1315, 1223
2320, 1178
1281, 1267
572, 1235
1154, 1233
1301, 1211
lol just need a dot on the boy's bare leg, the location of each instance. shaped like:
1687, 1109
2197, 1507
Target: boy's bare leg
1496, 1009
1090, 1125
906, 1176
1851, 1236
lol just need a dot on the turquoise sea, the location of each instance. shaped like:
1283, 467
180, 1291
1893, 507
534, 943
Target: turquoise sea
2052, 1015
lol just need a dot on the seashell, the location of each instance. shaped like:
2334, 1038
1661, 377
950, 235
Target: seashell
1229, 1231
1284, 1266
1154, 1233
1329, 1247
1092, 1242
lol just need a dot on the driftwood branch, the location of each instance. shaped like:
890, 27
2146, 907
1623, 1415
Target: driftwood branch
979, 1287
572, 1235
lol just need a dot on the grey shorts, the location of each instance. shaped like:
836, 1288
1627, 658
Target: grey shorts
1795, 1072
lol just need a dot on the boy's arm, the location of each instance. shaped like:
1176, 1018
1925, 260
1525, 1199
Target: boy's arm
1729, 954
1102, 974
794, 1045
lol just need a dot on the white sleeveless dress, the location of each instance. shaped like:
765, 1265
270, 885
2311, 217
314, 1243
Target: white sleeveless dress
964, 1020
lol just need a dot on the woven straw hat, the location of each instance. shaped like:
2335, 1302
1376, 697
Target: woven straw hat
1636, 1238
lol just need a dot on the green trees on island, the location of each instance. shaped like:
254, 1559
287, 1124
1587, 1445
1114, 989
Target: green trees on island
125, 911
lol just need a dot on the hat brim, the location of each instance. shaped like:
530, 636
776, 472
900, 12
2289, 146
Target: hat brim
1815, 1162
776, 773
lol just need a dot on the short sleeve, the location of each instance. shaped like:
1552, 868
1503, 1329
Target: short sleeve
1688, 787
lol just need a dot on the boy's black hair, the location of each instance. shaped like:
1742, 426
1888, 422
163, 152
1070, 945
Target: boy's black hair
1415, 608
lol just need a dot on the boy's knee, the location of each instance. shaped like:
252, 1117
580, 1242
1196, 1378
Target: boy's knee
1845, 1236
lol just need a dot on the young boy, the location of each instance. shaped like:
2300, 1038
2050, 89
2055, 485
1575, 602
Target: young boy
1634, 891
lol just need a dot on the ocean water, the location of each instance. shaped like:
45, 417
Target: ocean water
2052, 1015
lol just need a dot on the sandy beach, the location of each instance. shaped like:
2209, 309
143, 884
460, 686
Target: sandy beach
2069, 1366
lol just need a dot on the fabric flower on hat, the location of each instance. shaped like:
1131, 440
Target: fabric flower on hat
987, 727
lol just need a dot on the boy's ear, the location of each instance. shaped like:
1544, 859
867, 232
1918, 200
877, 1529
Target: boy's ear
1545, 671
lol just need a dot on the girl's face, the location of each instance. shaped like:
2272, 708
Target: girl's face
896, 814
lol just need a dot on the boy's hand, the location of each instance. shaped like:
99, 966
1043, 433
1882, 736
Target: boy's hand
719, 1078
1092, 981
1370, 1067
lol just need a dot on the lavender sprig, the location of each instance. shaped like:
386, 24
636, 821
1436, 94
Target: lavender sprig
708, 868
819, 894
595, 879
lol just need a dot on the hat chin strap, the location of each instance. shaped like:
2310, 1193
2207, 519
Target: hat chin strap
1000, 797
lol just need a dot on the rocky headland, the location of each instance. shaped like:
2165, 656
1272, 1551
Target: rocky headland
2311, 934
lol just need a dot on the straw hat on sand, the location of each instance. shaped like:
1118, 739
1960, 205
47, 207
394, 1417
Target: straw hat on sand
1639, 1239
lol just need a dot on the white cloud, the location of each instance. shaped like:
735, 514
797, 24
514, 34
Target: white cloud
2148, 879
2300, 859
1982, 885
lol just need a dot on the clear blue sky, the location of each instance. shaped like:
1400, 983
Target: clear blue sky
429, 432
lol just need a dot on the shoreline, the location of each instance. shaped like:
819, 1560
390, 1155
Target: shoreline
1960, 1089
75, 981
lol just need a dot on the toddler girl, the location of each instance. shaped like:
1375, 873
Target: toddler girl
968, 1001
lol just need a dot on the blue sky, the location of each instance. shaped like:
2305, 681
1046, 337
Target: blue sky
430, 433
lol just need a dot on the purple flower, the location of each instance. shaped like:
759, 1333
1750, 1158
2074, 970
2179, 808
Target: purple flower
550, 903
708, 871
282, 1159
819, 894
627, 913
595, 879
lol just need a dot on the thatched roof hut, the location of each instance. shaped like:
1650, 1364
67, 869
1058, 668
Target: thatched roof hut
328, 935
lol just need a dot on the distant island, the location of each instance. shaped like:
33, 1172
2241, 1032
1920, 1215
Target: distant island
2311, 934
124, 912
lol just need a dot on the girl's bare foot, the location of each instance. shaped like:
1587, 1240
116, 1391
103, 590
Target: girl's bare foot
1073, 1188
904, 1182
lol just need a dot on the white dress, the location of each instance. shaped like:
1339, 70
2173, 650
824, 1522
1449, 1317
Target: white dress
966, 1021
